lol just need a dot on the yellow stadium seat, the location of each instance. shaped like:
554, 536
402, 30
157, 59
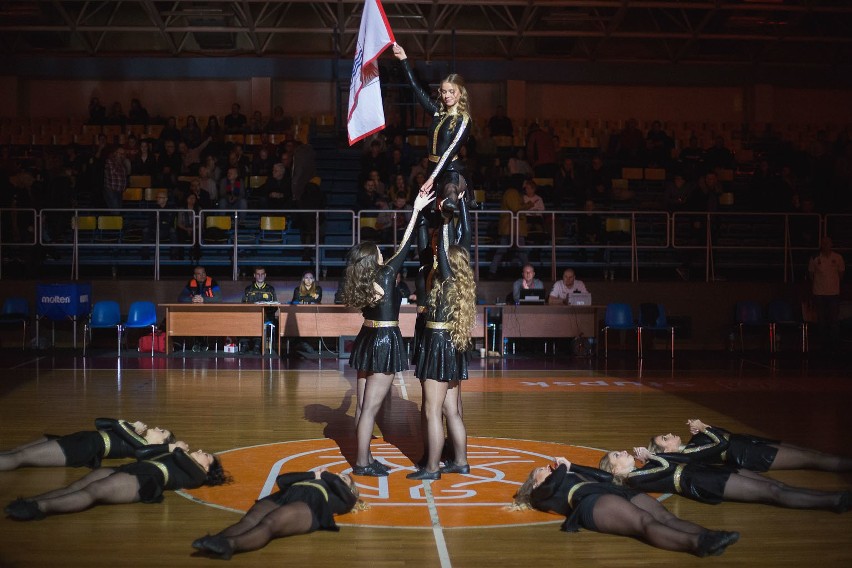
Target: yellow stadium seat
218, 222
139, 181
256, 181
133, 195
632, 173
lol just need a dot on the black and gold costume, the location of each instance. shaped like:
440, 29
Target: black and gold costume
447, 133
114, 439
718, 446
437, 357
262, 292
426, 255
698, 481
308, 297
574, 494
379, 348
327, 496
169, 471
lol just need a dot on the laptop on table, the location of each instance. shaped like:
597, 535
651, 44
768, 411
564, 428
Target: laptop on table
579, 299
532, 296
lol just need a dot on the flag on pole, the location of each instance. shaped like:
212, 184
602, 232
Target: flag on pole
366, 114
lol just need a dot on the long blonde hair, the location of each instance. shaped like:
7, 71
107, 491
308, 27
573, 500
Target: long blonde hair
362, 264
304, 290
521, 499
463, 104
606, 465
459, 293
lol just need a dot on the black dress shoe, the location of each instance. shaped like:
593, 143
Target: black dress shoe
370, 470
379, 465
452, 467
424, 474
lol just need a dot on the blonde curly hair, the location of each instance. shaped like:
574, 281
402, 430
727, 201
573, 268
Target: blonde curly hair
362, 264
459, 293
463, 105
521, 499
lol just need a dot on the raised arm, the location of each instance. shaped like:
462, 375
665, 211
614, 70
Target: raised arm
398, 258
422, 96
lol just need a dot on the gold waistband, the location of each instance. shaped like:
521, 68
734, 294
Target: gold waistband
107, 443
573, 489
435, 158
315, 485
437, 325
677, 474
422, 309
377, 323
162, 467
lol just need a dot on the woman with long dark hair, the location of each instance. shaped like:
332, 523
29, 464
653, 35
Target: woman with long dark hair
369, 283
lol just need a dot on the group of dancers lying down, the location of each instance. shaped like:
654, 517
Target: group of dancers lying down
713, 466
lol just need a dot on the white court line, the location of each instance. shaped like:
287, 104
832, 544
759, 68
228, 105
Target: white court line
403, 389
440, 543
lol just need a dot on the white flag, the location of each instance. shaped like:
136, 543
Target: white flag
366, 114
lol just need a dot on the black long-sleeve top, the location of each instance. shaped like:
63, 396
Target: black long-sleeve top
340, 498
426, 256
719, 446
121, 440
387, 308
177, 470
553, 495
446, 135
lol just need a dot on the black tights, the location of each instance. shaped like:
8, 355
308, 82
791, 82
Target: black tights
756, 489
265, 521
43, 453
644, 518
103, 486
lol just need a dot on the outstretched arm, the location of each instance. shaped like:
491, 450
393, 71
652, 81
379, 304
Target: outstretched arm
423, 199
422, 96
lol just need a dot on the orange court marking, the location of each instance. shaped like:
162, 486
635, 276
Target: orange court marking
479, 499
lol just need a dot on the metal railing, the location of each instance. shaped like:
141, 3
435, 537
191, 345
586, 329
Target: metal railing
782, 240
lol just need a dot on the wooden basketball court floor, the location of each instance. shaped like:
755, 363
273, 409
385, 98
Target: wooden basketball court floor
219, 403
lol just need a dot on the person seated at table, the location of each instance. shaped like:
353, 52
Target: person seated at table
307, 292
256, 292
201, 289
565, 287
528, 281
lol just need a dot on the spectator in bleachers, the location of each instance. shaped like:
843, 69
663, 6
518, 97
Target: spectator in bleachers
277, 192
396, 165
367, 196
374, 159
381, 188
235, 123
706, 196
131, 148
384, 223
238, 160
232, 194
486, 149
184, 227
659, 146
597, 183
718, 156
97, 111
214, 172
191, 133
500, 124
398, 142
191, 157
692, 159
630, 144
590, 226
278, 122
255, 124
400, 189
261, 164
541, 151
162, 224
303, 168
169, 165
535, 222
565, 287
419, 168
566, 185
170, 132
519, 165
116, 115
203, 197
115, 177
512, 201
137, 113
677, 192
214, 130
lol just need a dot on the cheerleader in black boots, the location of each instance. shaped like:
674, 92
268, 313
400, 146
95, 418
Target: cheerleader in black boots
442, 358
305, 502
369, 283
588, 499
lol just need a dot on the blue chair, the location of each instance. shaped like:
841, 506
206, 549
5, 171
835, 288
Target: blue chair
618, 316
748, 314
141, 314
16, 311
780, 313
105, 314
660, 323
